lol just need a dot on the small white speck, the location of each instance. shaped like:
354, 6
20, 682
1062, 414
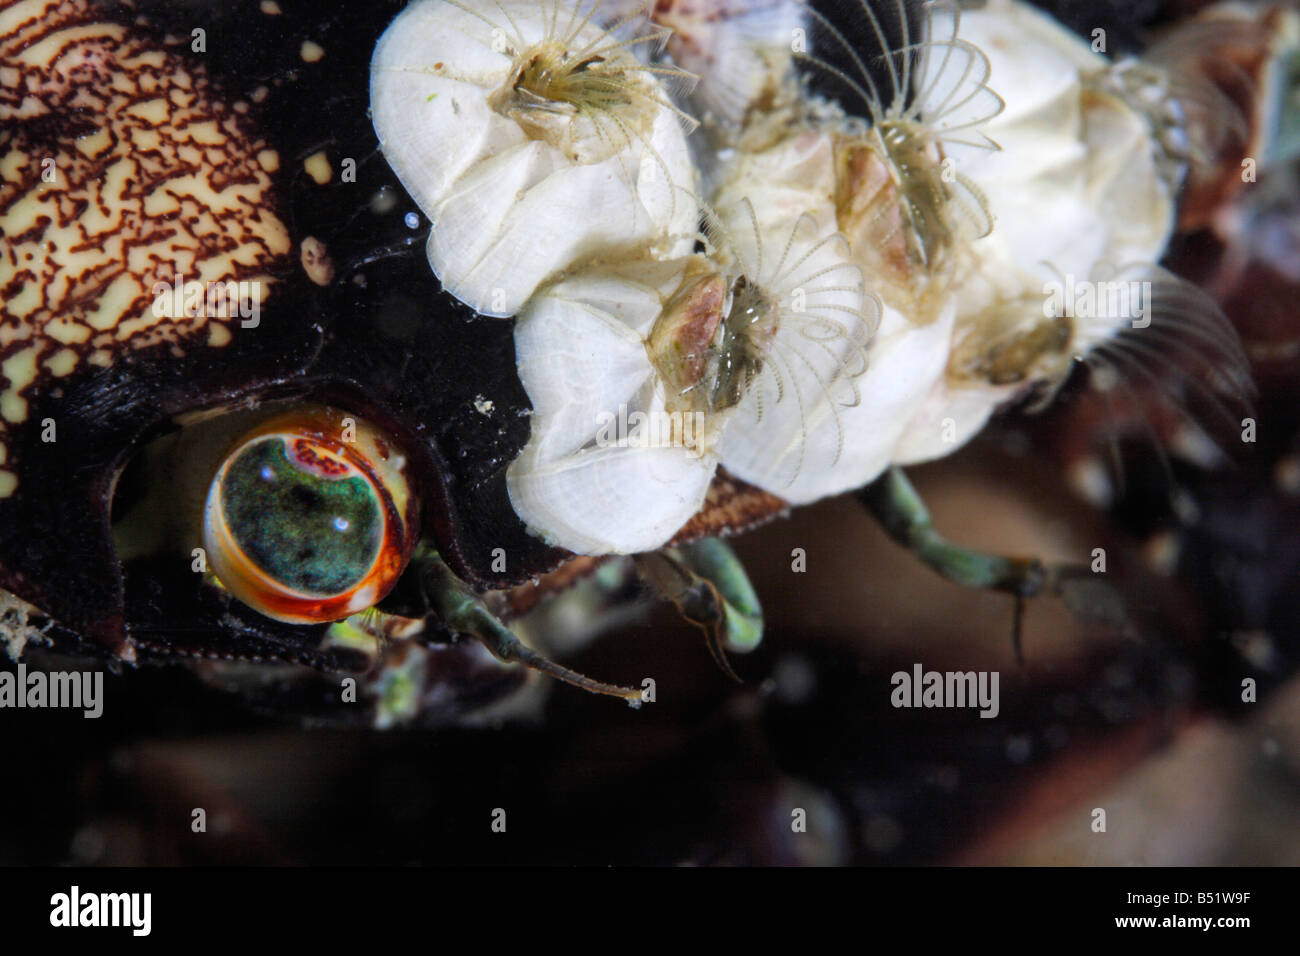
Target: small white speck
384, 199
412, 220
341, 524
267, 473
484, 405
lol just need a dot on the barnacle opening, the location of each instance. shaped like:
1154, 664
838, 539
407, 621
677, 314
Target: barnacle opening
1013, 343
746, 335
893, 203
581, 87
551, 79
682, 338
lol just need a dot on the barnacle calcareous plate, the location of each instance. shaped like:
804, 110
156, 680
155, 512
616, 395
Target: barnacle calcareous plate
380, 362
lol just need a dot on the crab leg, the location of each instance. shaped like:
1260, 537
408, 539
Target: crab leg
904, 516
461, 610
708, 584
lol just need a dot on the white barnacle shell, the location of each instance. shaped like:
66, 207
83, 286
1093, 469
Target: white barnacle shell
904, 362
796, 339
615, 464
1078, 178
740, 49
1079, 199
532, 138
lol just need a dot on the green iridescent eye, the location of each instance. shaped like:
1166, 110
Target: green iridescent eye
317, 532
310, 517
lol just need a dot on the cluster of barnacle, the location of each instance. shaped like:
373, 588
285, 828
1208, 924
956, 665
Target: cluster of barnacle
910, 217
846, 263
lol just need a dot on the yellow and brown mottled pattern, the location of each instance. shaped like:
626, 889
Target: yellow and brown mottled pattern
519, 600
732, 506
120, 168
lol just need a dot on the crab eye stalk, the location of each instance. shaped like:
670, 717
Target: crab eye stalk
310, 517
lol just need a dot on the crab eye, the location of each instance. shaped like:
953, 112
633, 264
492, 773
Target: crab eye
310, 517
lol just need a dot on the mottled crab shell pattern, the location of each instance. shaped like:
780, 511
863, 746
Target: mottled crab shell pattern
121, 169
520, 188
177, 191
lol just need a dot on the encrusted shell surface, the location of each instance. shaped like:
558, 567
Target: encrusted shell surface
1077, 195
603, 471
515, 202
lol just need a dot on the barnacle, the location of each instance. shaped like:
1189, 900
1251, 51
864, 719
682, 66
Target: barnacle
615, 462
907, 212
746, 357
791, 351
1085, 200
533, 138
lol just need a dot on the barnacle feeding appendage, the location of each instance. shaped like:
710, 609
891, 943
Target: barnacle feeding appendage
533, 137
599, 77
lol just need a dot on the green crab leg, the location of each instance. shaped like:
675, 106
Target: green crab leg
904, 516
460, 609
708, 584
